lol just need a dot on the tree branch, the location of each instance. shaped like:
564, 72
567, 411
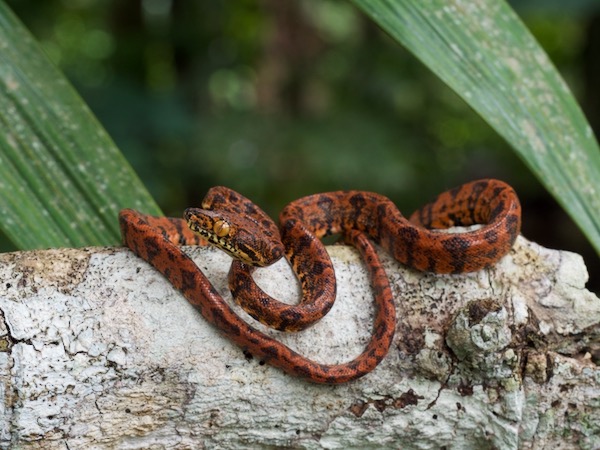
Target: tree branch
101, 352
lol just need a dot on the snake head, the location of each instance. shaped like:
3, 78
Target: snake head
242, 237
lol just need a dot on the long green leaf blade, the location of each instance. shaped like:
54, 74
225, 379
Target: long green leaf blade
483, 51
62, 180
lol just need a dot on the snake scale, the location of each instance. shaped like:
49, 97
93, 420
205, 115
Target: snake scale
238, 226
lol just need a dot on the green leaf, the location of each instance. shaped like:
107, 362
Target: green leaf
484, 52
62, 180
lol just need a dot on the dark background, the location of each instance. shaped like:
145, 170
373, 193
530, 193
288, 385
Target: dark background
283, 98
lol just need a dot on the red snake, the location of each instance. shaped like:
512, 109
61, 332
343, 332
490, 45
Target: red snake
241, 228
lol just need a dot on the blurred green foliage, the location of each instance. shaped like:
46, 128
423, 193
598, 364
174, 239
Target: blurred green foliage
280, 99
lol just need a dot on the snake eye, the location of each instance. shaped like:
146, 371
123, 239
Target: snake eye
221, 228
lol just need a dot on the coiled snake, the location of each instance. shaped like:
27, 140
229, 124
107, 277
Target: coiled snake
242, 229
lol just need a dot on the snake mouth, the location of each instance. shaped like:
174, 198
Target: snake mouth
222, 243
244, 236
210, 226
206, 224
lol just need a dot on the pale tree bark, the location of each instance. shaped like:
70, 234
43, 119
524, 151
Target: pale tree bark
100, 352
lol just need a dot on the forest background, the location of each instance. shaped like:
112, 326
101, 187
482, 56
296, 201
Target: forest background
280, 99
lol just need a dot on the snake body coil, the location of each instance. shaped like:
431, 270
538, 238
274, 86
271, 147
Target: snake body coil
232, 222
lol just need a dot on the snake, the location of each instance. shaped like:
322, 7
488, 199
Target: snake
239, 227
